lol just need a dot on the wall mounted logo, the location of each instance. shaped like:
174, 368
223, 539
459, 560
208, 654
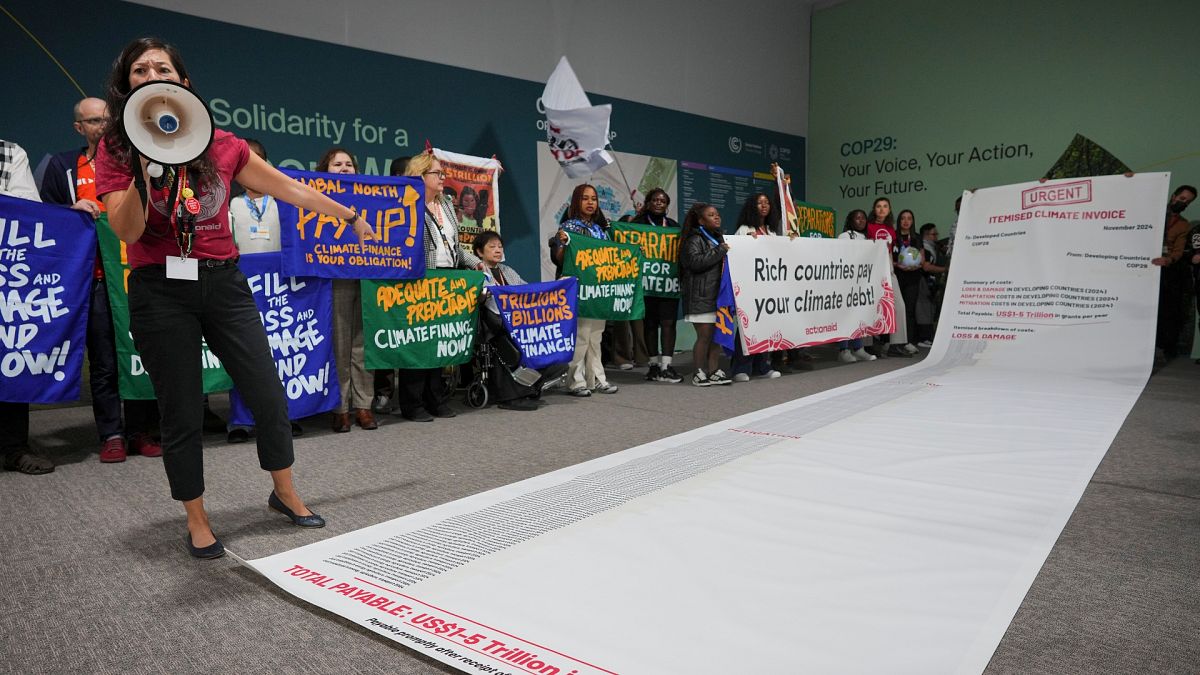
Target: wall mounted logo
735, 144
1076, 192
773, 151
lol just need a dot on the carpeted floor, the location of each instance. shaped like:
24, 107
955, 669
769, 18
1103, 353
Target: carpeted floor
97, 579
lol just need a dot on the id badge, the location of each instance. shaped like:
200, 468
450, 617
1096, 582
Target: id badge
184, 269
260, 232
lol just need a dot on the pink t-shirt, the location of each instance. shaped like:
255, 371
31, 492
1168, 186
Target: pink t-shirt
879, 231
213, 238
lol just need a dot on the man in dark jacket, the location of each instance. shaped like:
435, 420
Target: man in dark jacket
70, 180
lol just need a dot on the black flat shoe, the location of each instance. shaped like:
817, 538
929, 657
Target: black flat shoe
312, 520
213, 550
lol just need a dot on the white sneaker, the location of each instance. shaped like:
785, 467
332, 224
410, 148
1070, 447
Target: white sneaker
606, 388
701, 380
719, 377
862, 355
772, 374
925, 344
846, 357
626, 366
741, 377
908, 347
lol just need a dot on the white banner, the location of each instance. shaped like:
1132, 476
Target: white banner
801, 292
576, 130
892, 525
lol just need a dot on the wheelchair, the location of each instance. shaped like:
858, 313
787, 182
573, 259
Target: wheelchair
495, 365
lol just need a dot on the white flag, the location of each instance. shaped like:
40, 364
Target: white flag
576, 129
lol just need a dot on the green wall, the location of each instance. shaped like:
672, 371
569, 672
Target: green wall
924, 77
236, 67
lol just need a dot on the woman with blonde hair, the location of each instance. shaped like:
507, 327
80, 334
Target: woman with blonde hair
421, 392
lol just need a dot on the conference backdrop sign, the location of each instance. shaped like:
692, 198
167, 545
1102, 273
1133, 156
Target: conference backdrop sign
374, 117
801, 292
46, 255
829, 502
937, 123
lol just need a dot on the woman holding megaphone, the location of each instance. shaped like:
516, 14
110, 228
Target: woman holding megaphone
186, 288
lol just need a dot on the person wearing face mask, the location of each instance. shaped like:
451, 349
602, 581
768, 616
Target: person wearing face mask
1174, 275
186, 288
356, 382
851, 351
421, 392
662, 314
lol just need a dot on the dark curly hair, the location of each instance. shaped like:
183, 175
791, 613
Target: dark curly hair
118, 92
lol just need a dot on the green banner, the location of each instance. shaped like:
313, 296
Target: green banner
133, 382
660, 256
608, 273
421, 323
815, 221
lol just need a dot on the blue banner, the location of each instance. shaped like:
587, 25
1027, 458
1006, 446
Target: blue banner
46, 258
726, 311
298, 315
541, 319
316, 245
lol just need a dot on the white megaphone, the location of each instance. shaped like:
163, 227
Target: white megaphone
167, 123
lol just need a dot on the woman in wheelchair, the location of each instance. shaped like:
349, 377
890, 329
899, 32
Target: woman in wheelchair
498, 374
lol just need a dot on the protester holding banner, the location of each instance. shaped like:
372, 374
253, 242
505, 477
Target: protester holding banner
583, 218
176, 303
701, 259
356, 384
510, 394
70, 180
662, 312
908, 254
879, 228
16, 180
421, 392
851, 351
757, 219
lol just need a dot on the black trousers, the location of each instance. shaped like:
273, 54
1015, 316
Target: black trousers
1171, 310
168, 319
416, 389
14, 428
910, 288
104, 374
